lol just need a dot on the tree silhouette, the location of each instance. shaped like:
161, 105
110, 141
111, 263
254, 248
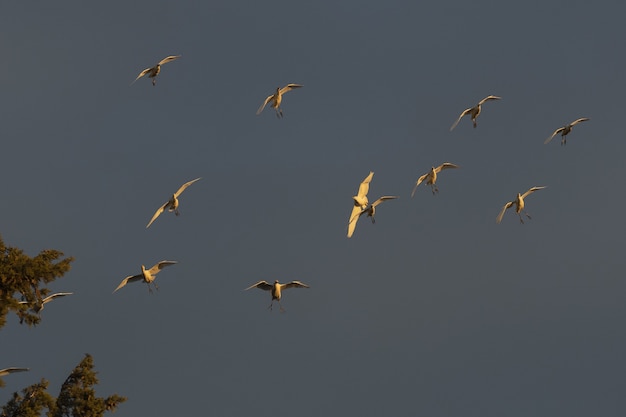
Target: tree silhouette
26, 277
77, 397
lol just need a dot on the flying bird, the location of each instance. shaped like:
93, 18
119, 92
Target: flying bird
38, 306
431, 177
147, 275
519, 205
361, 204
474, 111
371, 209
276, 289
172, 203
152, 72
565, 130
277, 98
7, 371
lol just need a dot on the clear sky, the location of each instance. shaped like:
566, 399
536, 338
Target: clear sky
433, 311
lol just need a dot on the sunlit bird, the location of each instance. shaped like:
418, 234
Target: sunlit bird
565, 130
276, 289
147, 275
431, 177
152, 72
519, 205
12, 370
172, 203
38, 305
277, 98
474, 111
362, 206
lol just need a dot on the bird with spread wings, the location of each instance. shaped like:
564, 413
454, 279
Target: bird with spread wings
152, 72
172, 203
277, 98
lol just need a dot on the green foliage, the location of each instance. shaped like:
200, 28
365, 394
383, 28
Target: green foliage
25, 277
77, 397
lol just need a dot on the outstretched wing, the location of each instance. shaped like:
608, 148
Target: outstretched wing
445, 165
532, 190
53, 296
465, 112
354, 218
365, 185
7, 371
156, 268
384, 198
158, 213
131, 278
263, 285
289, 87
582, 119
185, 185
293, 284
169, 59
506, 206
142, 73
556, 132
267, 100
481, 102
419, 181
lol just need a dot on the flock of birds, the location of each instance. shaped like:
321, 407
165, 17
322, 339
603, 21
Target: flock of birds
360, 207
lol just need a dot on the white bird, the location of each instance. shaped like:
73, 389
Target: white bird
172, 203
474, 111
431, 177
276, 289
361, 204
519, 205
38, 306
152, 72
7, 371
277, 98
565, 130
147, 275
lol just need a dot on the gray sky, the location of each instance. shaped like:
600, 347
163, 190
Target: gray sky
433, 311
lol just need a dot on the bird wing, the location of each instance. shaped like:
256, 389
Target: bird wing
354, 218
130, 278
141, 74
419, 181
506, 206
263, 285
158, 213
384, 198
465, 112
556, 132
11, 370
157, 267
445, 165
532, 190
582, 119
488, 98
169, 59
365, 185
185, 185
289, 87
53, 296
293, 284
267, 100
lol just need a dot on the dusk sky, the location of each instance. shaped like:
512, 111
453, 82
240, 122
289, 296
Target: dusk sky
434, 311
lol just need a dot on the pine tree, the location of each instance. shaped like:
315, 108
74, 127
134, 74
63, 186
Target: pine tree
26, 277
77, 397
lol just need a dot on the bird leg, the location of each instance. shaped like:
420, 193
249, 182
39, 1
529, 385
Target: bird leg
474, 120
270, 306
434, 189
153, 81
177, 212
520, 219
282, 310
